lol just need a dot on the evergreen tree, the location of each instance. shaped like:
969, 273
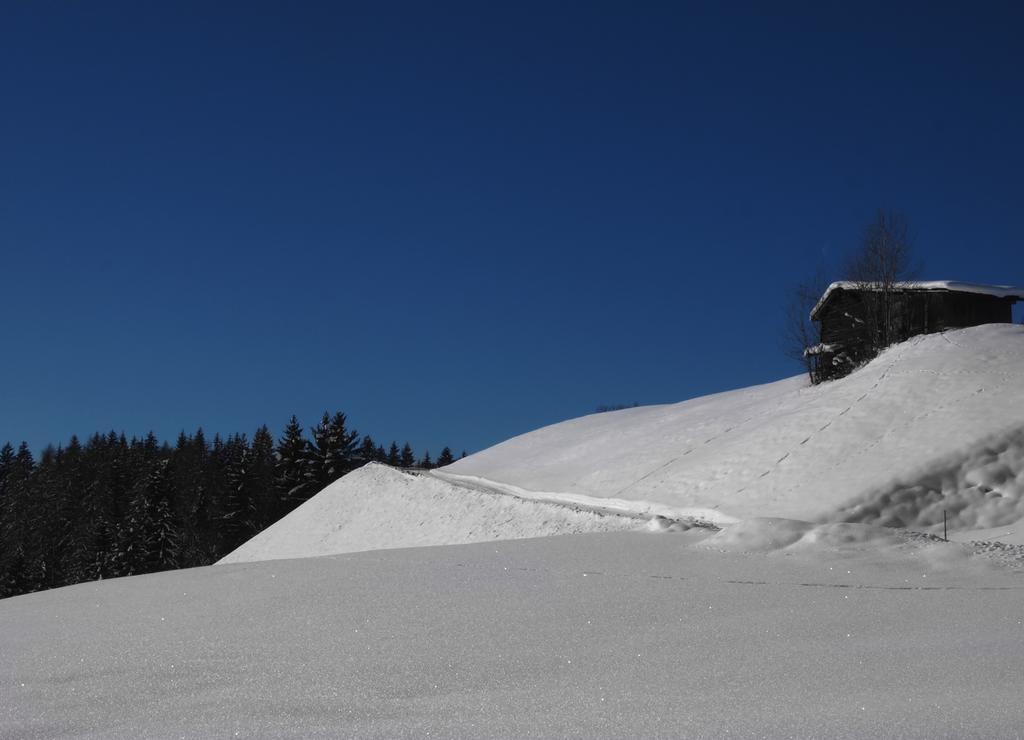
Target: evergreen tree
445, 458
73, 481
367, 451
49, 522
6, 512
150, 540
237, 509
293, 460
334, 451
261, 479
16, 574
426, 463
394, 459
407, 460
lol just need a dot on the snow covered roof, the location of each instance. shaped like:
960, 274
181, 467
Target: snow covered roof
997, 291
819, 349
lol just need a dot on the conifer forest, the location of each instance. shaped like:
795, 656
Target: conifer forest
112, 506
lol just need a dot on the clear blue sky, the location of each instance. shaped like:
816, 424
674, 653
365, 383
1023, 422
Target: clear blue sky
459, 222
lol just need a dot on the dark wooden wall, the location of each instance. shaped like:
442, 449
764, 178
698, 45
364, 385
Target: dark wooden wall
846, 321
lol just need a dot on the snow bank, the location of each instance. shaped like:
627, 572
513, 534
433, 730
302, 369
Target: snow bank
940, 413
981, 488
772, 534
378, 507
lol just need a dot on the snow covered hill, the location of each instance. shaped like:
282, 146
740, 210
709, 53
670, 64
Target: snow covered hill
940, 412
933, 425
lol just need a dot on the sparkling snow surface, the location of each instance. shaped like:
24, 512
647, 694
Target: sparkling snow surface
768, 629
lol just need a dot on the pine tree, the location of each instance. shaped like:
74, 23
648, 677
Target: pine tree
19, 524
426, 463
407, 460
445, 458
394, 459
237, 509
261, 479
192, 473
6, 464
73, 482
290, 474
149, 537
48, 522
334, 451
367, 451
164, 535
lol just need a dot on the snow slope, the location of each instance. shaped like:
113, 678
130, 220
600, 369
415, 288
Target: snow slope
940, 414
769, 629
378, 507
933, 425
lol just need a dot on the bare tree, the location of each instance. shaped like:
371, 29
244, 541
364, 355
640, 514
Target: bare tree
883, 261
877, 267
802, 334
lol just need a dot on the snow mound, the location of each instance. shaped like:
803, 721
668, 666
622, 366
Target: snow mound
938, 415
769, 534
378, 507
979, 489
841, 542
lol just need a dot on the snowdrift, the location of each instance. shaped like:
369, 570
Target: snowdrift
377, 507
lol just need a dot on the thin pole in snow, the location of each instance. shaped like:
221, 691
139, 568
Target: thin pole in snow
944, 526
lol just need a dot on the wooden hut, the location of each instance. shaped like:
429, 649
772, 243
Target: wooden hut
857, 320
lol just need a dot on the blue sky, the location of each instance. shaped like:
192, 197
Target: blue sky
459, 222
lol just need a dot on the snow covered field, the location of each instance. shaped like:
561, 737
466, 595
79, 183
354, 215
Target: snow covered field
802, 617
624, 634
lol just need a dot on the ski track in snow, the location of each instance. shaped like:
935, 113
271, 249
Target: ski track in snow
642, 510
828, 424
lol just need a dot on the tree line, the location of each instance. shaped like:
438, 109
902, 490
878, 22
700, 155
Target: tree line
113, 507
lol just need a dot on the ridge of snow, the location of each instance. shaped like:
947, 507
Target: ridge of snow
633, 509
378, 507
